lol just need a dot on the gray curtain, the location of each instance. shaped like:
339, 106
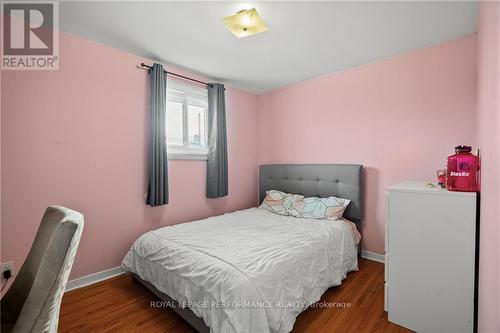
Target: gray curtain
157, 162
217, 142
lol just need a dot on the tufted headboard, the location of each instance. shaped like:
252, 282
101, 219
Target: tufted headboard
317, 180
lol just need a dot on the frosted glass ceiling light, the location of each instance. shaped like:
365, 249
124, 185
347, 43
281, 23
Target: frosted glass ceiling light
245, 23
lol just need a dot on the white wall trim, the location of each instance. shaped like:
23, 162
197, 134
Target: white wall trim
373, 256
94, 278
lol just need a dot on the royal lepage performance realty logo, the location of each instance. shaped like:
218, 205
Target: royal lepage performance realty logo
30, 35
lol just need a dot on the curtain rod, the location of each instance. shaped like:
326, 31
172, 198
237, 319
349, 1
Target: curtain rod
177, 75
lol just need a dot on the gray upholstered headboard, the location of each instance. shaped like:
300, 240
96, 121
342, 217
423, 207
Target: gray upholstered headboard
317, 180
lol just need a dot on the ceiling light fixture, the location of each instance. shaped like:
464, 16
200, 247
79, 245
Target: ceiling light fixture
245, 23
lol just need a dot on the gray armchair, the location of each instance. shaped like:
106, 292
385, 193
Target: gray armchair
31, 305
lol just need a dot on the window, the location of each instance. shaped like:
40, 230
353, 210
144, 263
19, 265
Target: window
187, 107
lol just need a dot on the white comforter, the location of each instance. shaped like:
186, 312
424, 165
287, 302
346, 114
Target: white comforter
247, 271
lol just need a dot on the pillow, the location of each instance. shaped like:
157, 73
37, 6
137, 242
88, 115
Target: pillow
279, 202
331, 208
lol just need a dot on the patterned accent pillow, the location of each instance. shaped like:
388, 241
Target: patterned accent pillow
279, 202
331, 208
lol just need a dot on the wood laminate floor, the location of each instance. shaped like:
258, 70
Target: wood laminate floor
120, 305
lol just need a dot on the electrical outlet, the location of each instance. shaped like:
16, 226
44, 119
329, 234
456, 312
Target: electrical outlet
9, 265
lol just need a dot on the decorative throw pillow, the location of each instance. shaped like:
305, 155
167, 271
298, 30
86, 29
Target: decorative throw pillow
331, 208
279, 202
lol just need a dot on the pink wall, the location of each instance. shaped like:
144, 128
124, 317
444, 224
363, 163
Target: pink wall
489, 141
77, 137
393, 116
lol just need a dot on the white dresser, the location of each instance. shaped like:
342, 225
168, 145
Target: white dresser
430, 258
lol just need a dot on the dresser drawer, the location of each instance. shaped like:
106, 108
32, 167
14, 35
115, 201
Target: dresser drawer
386, 267
386, 297
386, 232
386, 224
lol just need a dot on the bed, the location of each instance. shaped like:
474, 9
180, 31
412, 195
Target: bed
253, 270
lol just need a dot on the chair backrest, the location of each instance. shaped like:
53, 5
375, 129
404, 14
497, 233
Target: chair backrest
35, 295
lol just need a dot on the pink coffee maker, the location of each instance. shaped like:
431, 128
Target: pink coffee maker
463, 170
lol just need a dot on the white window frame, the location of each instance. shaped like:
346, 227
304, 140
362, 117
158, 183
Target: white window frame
187, 94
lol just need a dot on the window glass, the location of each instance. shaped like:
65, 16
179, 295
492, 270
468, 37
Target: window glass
196, 127
175, 136
187, 106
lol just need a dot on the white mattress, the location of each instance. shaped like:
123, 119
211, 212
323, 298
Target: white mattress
247, 271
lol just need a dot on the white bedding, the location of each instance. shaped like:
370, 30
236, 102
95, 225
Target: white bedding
247, 271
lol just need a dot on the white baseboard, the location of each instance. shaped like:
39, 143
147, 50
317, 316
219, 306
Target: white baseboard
373, 256
94, 278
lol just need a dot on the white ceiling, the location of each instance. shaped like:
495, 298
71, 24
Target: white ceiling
306, 39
